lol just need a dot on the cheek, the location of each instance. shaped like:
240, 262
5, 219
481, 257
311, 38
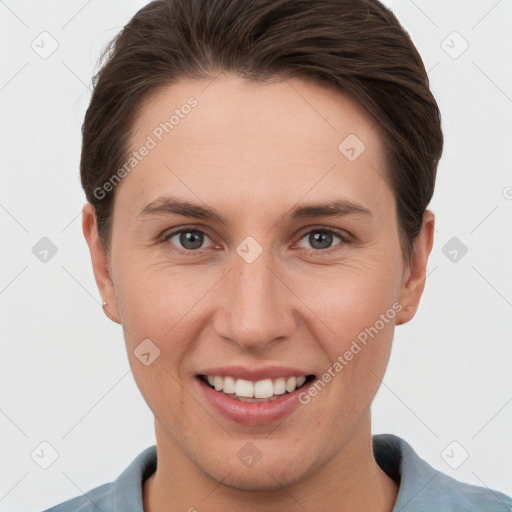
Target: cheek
156, 298
352, 299
357, 309
162, 305
358, 353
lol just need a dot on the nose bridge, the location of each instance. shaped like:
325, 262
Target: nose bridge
256, 309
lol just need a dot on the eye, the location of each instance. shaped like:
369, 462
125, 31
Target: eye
187, 240
321, 240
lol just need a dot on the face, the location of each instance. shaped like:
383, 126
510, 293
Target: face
286, 263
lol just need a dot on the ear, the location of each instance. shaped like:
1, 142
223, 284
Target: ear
100, 264
415, 274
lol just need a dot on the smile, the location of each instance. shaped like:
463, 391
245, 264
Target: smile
261, 390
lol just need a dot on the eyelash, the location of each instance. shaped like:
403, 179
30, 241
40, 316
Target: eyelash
345, 240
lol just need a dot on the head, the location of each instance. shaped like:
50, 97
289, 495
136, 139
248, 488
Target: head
257, 176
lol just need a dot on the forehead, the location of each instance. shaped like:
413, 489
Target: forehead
274, 141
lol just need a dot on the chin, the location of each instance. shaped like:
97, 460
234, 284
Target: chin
271, 478
273, 471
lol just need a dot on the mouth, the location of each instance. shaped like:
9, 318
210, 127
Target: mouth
265, 390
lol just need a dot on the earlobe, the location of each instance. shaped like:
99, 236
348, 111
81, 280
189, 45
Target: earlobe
99, 261
414, 284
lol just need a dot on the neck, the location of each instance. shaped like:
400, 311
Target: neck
352, 480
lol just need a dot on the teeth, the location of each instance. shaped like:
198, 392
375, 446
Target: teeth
263, 389
291, 384
247, 390
280, 386
218, 383
229, 385
244, 388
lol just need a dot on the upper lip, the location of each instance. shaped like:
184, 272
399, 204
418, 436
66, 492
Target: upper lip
254, 374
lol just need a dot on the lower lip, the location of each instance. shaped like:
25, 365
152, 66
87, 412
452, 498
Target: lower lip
253, 413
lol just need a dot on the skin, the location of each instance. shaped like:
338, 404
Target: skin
253, 152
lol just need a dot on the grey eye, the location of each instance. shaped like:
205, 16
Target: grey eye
320, 239
189, 239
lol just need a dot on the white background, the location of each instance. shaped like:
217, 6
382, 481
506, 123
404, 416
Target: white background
64, 371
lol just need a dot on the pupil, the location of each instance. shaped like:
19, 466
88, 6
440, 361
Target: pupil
191, 239
321, 237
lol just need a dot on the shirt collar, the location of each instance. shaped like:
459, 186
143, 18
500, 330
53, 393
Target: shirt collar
127, 491
421, 487
400, 462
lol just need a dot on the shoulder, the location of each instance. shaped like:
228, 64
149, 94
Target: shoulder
424, 488
99, 498
122, 495
455, 495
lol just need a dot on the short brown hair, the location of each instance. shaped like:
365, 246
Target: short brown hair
358, 46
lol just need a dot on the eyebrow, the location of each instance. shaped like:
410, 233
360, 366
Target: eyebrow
165, 205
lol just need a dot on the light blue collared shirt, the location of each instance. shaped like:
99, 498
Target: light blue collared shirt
422, 488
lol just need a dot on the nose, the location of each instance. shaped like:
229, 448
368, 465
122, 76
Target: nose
254, 305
